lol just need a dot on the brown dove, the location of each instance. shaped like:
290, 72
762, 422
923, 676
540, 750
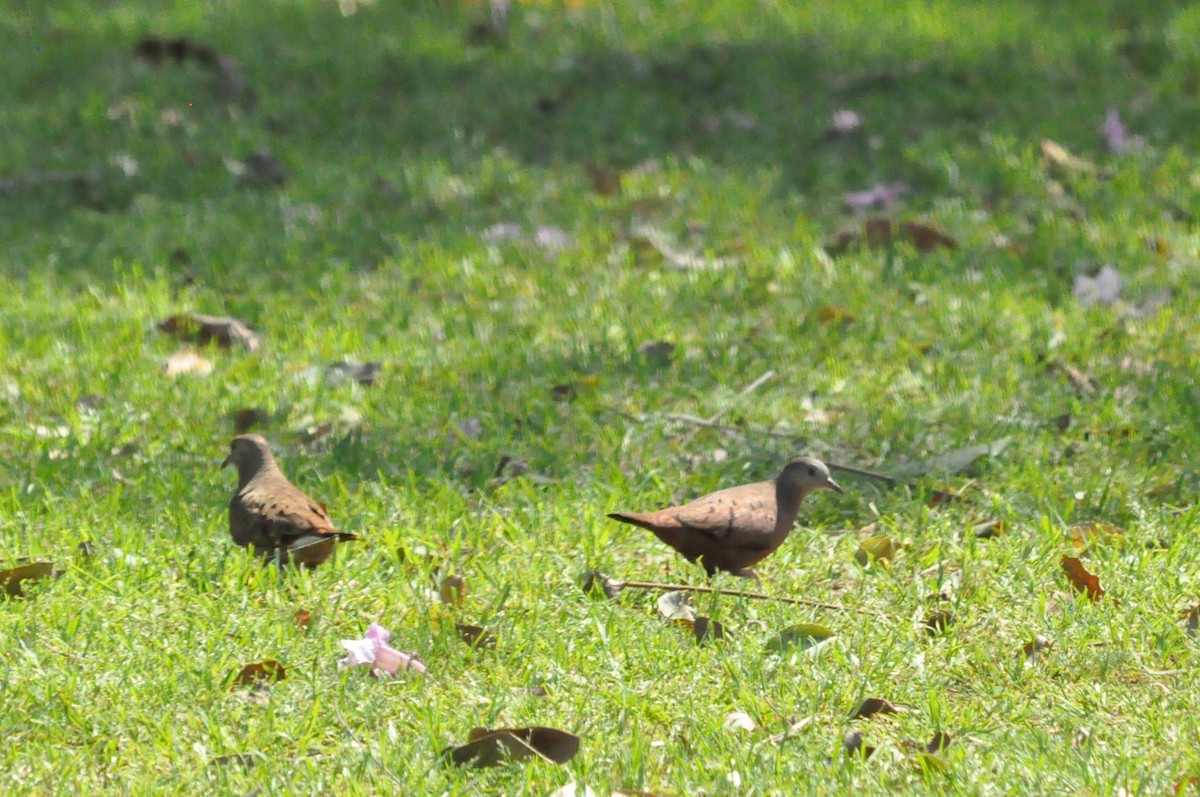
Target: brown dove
737, 527
271, 514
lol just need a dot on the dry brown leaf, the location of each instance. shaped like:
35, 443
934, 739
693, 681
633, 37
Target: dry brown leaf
205, 329
925, 237
852, 744
1081, 579
597, 582
831, 315
12, 581
489, 748
1084, 384
476, 636
187, 361
877, 231
453, 590
1083, 534
260, 673
702, 628
302, 617
1192, 616
988, 529
871, 706
938, 621
1034, 648
878, 548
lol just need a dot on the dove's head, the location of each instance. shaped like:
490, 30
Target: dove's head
249, 453
806, 475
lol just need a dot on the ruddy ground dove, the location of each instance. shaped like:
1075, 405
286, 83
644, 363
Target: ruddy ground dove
735, 528
271, 514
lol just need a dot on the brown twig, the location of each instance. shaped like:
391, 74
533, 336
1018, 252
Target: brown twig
741, 594
692, 419
711, 421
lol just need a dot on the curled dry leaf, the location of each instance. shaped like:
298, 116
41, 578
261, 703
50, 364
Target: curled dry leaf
302, 618
476, 636
938, 621
1034, 648
453, 590
676, 606
260, 673
988, 529
1103, 289
871, 706
489, 748
1093, 532
1192, 618
739, 720
702, 628
362, 373
1081, 579
187, 361
852, 744
13, 580
598, 583
925, 238
204, 329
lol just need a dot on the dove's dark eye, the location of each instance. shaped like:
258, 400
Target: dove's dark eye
812, 471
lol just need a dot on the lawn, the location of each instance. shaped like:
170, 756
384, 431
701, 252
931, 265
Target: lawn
603, 255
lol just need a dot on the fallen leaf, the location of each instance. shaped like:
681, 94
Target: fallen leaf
878, 548
605, 179
187, 361
804, 635
676, 605
925, 238
12, 580
938, 621
302, 617
1035, 647
878, 231
1061, 422
362, 373
489, 748
1081, 579
260, 673
939, 742
453, 590
929, 763
1182, 785
673, 256
259, 168
988, 529
1103, 289
703, 628
657, 351
1084, 384
1193, 620
596, 582
1056, 156
871, 706
793, 730
1083, 534
205, 329
852, 744
739, 720
476, 636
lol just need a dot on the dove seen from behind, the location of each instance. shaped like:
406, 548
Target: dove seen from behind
735, 528
272, 515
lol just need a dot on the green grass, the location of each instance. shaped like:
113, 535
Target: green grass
403, 143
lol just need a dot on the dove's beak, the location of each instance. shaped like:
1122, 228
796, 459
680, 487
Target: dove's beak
227, 461
832, 485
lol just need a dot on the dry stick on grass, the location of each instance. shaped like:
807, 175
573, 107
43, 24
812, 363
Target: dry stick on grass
741, 594
711, 421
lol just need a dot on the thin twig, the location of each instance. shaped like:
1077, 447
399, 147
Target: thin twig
741, 594
721, 413
692, 419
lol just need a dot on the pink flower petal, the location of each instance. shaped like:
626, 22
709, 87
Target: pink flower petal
390, 661
378, 633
